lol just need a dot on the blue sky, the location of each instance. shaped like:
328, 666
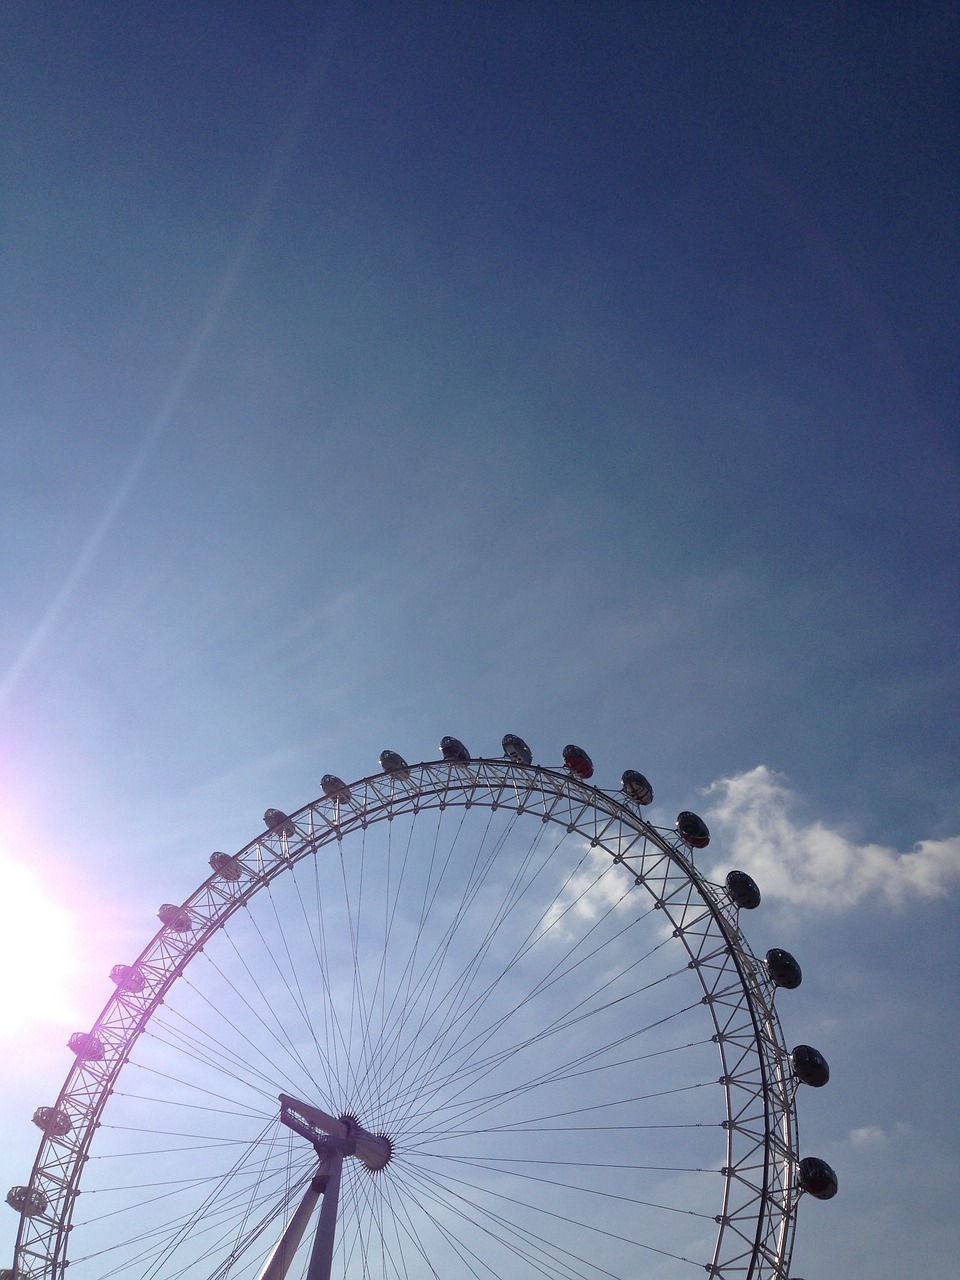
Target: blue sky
374, 372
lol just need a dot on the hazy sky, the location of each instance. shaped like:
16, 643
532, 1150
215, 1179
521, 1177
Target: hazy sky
588, 371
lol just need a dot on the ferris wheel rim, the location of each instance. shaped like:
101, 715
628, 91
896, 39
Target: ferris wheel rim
591, 813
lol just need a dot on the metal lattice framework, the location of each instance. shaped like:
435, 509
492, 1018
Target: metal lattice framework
756, 1214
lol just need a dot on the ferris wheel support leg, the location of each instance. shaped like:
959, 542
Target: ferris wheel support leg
283, 1254
321, 1256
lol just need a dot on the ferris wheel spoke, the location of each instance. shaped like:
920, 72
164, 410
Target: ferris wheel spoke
466, 1072
514, 1237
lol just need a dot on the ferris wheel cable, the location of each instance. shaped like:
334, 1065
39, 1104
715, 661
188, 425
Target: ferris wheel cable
522, 1228
291, 971
475, 1004
160, 1101
335, 1037
413, 1233
190, 1048
405, 993
353, 924
147, 1070
510, 1233
581, 1164
432, 972
293, 988
454, 1112
313, 922
555, 1183
219, 1207
271, 1022
464, 1014
448, 1048
221, 1220
477, 1070
224, 1180
159, 1151
574, 1067
530, 1124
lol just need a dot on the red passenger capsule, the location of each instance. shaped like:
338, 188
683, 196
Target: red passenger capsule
577, 761
817, 1178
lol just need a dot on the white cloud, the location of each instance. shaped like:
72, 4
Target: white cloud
811, 864
871, 1135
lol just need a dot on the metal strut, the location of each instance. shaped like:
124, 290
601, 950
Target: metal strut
332, 1139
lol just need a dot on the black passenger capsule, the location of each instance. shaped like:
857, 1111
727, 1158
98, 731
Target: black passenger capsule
810, 1066
334, 788
783, 968
692, 830
30, 1201
452, 749
278, 821
86, 1046
53, 1122
226, 866
742, 890
817, 1178
514, 748
393, 762
636, 787
175, 918
127, 977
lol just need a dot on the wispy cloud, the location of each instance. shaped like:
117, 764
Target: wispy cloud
811, 864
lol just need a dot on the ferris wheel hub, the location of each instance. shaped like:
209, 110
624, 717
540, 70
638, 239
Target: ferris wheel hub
343, 1133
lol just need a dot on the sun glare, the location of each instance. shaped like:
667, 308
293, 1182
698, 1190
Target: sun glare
37, 953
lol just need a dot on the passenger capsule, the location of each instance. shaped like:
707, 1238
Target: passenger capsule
30, 1201
226, 866
127, 978
692, 830
783, 968
53, 1122
175, 918
278, 821
742, 890
86, 1046
577, 761
515, 748
452, 749
810, 1066
817, 1178
636, 787
334, 788
393, 762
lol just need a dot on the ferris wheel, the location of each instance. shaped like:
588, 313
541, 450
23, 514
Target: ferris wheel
470, 1017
